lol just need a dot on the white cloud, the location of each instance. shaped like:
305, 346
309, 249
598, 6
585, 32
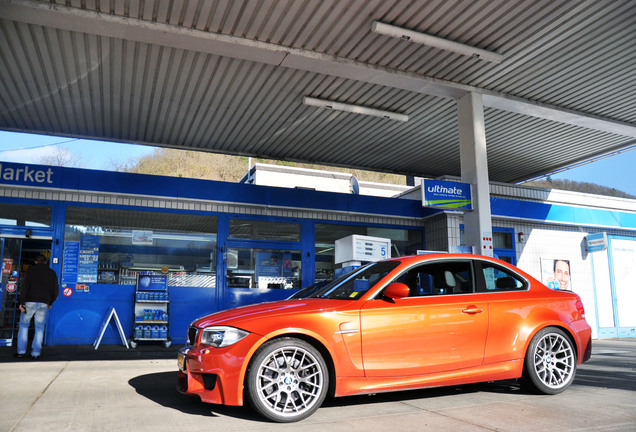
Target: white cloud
33, 155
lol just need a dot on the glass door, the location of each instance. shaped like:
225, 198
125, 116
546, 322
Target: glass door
10, 252
262, 261
260, 274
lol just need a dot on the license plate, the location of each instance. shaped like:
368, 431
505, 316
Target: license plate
181, 361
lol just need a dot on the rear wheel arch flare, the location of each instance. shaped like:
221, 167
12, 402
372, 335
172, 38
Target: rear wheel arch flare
567, 332
550, 361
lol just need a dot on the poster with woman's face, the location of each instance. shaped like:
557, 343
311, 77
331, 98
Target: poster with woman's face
555, 273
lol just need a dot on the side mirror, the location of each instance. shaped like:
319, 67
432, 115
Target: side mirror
397, 290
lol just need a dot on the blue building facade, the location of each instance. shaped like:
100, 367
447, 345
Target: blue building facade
221, 245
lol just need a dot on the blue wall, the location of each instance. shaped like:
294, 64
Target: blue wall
76, 320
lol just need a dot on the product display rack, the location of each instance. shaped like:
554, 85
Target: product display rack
151, 310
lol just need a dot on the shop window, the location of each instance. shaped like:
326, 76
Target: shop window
111, 246
263, 268
502, 240
403, 242
264, 230
25, 215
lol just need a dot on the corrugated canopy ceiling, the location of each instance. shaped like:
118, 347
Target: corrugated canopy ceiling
230, 76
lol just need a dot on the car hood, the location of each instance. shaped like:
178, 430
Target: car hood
248, 317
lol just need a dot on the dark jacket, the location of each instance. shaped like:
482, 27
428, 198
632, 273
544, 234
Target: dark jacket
39, 285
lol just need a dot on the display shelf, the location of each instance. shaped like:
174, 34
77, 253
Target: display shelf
154, 328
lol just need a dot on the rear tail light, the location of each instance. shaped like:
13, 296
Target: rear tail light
580, 309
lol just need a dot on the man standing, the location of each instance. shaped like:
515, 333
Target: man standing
39, 291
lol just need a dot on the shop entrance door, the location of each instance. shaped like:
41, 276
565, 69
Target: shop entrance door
17, 254
260, 274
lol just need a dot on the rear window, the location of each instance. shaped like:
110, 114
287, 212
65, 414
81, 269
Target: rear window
497, 278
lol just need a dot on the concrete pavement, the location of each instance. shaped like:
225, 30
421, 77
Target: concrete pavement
80, 389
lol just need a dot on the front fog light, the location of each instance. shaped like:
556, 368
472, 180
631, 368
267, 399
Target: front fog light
222, 336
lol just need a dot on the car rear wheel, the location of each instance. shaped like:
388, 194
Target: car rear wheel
550, 362
287, 380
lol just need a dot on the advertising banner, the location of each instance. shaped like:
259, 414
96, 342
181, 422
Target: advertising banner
556, 274
446, 194
88, 259
269, 264
152, 283
70, 262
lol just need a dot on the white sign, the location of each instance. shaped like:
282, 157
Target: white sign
142, 237
112, 313
362, 248
597, 242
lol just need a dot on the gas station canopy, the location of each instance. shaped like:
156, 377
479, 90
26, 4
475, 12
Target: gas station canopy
369, 84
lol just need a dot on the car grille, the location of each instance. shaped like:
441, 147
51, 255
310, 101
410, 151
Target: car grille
192, 335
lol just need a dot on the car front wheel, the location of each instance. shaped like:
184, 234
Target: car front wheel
550, 362
287, 380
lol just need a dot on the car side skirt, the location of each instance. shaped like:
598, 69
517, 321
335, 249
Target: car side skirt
492, 372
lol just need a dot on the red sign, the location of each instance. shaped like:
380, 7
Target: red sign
11, 286
7, 263
68, 291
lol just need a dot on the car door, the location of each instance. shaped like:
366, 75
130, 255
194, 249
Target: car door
441, 326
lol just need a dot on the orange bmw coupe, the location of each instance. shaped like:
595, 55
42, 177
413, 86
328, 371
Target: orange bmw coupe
403, 323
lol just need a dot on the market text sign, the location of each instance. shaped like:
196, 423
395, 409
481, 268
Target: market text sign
446, 194
26, 175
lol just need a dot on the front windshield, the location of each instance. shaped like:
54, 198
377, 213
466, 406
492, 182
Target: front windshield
353, 285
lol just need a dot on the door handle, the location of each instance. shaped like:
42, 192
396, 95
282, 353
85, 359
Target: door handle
472, 310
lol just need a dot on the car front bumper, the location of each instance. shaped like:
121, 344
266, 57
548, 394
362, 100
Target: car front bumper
215, 374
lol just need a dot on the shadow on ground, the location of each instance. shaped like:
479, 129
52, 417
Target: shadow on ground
161, 389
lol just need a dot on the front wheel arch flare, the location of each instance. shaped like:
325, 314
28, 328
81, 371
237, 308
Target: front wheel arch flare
287, 380
326, 355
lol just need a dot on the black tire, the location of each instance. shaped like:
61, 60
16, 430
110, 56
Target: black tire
550, 362
287, 380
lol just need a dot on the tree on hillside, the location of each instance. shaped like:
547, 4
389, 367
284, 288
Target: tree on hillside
576, 186
212, 166
191, 164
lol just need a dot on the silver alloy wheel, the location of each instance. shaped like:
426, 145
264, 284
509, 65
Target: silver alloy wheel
290, 381
554, 360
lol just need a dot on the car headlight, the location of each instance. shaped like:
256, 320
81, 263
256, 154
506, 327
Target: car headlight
222, 336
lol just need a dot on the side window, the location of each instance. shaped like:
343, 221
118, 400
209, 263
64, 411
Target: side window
439, 278
499, 279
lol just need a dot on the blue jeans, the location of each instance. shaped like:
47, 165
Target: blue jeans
40, 311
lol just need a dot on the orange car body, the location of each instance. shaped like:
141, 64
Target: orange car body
373, 345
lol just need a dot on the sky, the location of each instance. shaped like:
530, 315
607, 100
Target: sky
99, 155
615, 171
